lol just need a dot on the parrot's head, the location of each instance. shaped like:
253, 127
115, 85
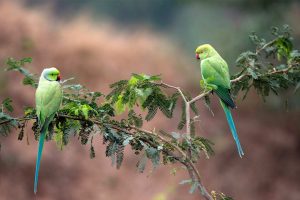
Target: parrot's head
205, 51
51, 74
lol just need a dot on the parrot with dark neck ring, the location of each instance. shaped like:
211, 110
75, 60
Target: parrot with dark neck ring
215, 74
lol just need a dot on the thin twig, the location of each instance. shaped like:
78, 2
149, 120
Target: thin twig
200, 96
188, 118
266, 74
17, 119
189, 164
264, 46
66, 80
239, 78
194, 174
174, 87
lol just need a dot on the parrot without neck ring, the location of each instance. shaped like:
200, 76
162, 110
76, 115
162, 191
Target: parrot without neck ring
215, 74
48, 98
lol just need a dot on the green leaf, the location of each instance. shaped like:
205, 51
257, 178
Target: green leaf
284, 47
29, 111
58, 138
151, 112
119, 105
207, 104
120, 83
11, 122
133, 81
127, 140
92, 152
15, 65
188, 181
194, 108
28, 80
135, 119
96, 95
26, 60
244, 59
155, 78
194, 186
7, 104
204, 145
297, 87
175, 135
119, 155
141, 165
85, 110
153, 154
295, 56
143, 94
220, 196
139, 77
252, 73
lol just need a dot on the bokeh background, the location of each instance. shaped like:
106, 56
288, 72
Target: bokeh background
100, 42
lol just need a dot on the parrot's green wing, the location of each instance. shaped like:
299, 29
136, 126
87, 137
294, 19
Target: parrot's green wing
215, 71
48, 100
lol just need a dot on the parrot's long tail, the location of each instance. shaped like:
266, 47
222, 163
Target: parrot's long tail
232, 128
38, 159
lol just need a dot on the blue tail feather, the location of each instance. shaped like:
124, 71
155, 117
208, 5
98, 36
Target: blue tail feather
232, 128
38, 159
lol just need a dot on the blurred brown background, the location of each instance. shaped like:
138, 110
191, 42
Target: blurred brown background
100, 42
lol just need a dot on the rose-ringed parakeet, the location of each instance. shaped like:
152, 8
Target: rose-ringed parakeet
48, 98
215, 74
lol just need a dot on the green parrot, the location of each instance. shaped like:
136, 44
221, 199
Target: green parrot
48, 98
215, 74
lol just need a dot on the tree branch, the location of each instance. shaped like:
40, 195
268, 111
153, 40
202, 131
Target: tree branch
174, 87
193, 172
200, 96
184, 158
17, 119
264, 46
274, 71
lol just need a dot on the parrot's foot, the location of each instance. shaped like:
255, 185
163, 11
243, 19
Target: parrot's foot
210, 87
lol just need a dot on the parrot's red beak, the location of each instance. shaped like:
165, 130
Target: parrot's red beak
58, 77
197, 56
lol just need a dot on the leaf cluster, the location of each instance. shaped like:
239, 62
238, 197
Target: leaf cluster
141, 90
273, 67
18, 65
5, 128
